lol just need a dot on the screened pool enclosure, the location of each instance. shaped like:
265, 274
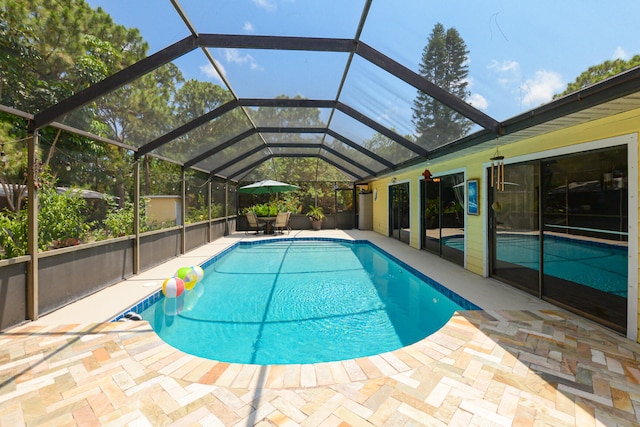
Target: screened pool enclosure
166, 110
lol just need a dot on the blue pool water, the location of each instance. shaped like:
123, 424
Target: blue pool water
597, 265
296, 301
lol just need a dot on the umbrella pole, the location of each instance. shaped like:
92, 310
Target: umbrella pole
269, 214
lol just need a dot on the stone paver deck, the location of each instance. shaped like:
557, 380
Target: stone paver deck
490, 368
524, 367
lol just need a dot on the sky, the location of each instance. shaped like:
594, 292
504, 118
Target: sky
520, 53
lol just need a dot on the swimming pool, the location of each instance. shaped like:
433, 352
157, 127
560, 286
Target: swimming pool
597, 265
303, 301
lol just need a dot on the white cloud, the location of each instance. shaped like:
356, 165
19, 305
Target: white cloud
541, 87
248, 27
475, 99
267, 5
620, 53
234, 56
478, 101
508, 72
529, 91
504, 66
211, 72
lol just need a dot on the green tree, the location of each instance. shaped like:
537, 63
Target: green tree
52, 49
387, 148
598, 73
196, 98
136, 114
445, 64
192, 100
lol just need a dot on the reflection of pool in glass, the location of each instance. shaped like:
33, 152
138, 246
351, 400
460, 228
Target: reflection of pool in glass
296, 301
597, 265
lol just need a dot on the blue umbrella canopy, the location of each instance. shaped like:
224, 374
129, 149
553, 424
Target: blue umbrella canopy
267, 186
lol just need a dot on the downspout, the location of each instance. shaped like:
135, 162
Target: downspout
33, 181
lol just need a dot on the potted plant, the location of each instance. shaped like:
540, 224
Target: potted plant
316, 215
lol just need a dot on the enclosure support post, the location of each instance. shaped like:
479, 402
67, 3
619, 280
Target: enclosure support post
33, 180
183, 249
136, 215
209, 188
226, 207
354, 198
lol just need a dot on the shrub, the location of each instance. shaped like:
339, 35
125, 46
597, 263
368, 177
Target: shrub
119, 221
13, 234
61, 221
264, 209
198, 213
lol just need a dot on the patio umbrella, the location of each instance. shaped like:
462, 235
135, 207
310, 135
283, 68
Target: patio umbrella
267, 186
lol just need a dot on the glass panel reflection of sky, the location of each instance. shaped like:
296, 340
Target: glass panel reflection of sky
326, 18
255, 73
380, 96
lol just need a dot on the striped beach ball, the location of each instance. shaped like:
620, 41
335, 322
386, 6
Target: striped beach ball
173, 287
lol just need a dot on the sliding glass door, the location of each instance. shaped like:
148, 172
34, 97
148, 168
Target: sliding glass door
443, 216
399, 212
514, 227
559, 231
585, 233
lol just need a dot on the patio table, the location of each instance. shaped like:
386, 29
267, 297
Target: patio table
268, 220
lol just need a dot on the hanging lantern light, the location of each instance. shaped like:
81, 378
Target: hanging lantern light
497, 170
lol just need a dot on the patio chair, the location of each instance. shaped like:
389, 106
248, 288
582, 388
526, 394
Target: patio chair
282, 222
254, 224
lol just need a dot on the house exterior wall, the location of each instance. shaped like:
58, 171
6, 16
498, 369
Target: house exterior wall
473, 166
163, 209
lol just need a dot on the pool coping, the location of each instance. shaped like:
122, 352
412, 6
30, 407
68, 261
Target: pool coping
140, 341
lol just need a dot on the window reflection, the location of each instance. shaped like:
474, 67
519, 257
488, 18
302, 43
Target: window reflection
585, 233
566, 218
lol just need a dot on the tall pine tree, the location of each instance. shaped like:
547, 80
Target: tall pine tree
444, 63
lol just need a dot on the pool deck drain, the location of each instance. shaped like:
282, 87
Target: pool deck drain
521, 367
